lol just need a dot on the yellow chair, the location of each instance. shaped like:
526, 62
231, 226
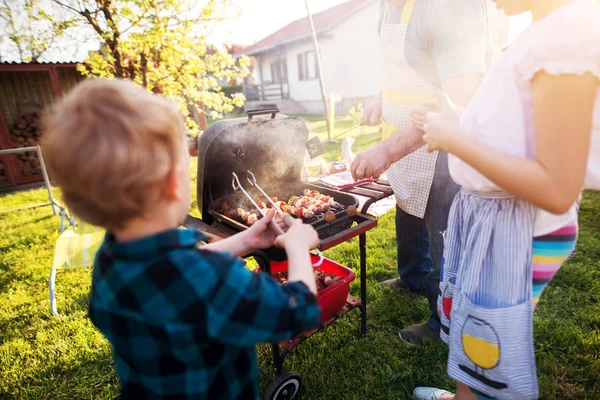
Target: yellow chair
76, 247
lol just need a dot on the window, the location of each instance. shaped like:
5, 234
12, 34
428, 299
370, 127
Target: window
307, 66
279, 72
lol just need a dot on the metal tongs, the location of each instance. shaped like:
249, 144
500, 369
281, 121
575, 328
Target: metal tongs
287, 219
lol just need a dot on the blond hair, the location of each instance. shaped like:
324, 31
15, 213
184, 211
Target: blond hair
110, 145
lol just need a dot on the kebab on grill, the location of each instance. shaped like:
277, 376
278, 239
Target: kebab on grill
248, 217
313, 198
227, 210
296, 212
308, 205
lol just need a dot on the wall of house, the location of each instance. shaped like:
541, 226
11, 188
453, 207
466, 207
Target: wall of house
310, 90
300, 90
349, 59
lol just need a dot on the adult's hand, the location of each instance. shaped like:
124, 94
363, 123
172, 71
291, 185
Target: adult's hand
371, 163
372, 114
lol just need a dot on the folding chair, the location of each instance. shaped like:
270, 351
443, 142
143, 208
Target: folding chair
75, 248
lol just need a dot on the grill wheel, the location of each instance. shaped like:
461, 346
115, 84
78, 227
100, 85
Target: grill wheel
285, 387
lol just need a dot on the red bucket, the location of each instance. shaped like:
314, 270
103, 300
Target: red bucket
332, 298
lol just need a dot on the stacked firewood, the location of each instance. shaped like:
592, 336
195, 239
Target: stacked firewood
26, 132
3, 177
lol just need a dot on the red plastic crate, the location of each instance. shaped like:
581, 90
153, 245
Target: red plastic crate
331, 299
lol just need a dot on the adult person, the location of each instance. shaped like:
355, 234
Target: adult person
425, 46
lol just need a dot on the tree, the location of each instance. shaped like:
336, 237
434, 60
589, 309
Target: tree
161, 44
30, 28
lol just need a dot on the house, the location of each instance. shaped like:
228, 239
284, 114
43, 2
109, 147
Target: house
286, 70
286, 73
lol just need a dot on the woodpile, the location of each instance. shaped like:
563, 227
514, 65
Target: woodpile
3, 177
26, 132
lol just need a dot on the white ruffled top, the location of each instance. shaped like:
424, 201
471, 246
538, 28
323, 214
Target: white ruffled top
501, 113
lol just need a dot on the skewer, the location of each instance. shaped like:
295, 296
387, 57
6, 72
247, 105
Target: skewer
346, 131
289, 221
235, 183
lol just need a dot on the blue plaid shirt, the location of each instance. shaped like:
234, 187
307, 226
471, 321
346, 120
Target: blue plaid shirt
183, 322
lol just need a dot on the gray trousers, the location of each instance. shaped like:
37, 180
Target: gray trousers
441, 196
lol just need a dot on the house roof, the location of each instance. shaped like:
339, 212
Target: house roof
56, 63
300, 29
17, 66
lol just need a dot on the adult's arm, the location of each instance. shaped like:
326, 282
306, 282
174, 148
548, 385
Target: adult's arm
459, 51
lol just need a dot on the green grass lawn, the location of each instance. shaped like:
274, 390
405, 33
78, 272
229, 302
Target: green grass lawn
43, 357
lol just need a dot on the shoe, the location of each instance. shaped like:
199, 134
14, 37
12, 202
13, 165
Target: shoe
429, 393
397, 283
417, 334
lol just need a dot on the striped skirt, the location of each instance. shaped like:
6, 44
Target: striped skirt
491, 263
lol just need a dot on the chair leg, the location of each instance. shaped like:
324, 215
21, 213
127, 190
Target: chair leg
62, 220
52, 295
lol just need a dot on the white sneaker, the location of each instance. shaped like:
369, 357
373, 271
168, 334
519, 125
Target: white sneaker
429, 393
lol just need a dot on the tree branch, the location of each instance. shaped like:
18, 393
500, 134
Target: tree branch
140, 18
43, 50
68, 7
113, 43
144, 67
15, 38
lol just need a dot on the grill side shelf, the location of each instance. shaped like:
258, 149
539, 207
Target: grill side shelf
363, 225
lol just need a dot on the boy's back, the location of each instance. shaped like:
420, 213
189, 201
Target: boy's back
183, 322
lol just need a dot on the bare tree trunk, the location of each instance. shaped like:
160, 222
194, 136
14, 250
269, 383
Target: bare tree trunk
144, 67
319, 71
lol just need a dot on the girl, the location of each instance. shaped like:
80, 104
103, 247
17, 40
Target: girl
524, 148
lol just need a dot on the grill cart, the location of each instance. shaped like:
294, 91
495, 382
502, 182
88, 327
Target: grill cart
272, 147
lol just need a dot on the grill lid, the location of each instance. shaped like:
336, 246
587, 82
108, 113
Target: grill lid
272, 148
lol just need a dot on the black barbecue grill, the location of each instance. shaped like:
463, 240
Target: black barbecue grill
272, 147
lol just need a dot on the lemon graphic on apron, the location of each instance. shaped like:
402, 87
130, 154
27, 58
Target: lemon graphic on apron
481, 345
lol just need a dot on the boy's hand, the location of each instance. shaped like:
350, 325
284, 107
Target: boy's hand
300, 236
260, 235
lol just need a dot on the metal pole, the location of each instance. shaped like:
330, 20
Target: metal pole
46, 179
362, 243
319, 71
19, 150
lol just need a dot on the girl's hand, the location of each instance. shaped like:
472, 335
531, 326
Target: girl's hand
418, 115
441, 128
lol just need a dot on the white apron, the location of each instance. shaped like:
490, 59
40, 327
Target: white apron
403, 88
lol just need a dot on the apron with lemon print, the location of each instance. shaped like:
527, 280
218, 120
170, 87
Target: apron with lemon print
486, 295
